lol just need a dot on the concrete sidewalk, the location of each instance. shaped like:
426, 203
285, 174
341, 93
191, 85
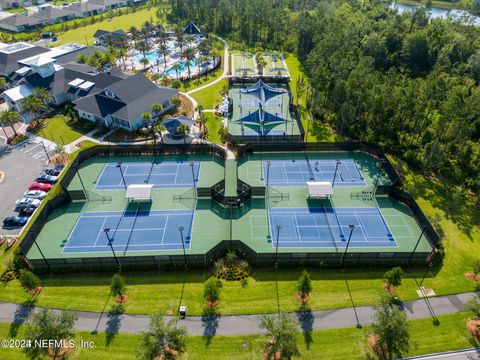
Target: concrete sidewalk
245, 324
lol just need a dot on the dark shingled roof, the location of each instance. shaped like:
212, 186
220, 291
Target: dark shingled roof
81, 8
116, 34
192, 29
8, 62
58, 82
134, 96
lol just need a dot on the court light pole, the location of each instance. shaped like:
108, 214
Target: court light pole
119, 166
352, 227
81, 183
107, 230
268, 174
338, 162
418, 242
192, 164
425, 275
180, 229
278, 227
43, 256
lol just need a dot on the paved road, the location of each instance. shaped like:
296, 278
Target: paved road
246, 324
467, 354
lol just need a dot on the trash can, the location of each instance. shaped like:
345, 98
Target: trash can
183, 311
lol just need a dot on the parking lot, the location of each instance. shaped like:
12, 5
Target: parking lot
19, 167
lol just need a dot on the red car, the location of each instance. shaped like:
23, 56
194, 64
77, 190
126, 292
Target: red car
40, 186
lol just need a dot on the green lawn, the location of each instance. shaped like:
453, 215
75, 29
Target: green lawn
214, 124
85, 34
343, 344
59, 130
316, 130
210, 96
160, 290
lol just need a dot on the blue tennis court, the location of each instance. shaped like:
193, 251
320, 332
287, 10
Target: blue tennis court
298, 172
166, 174
328, 227
130, 231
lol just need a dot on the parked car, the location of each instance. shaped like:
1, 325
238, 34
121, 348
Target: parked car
26, 202
45, 178
14, 221
28, 211
40, 186
54, 172
35, 194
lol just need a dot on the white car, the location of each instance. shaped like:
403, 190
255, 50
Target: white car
35, 194
27, 202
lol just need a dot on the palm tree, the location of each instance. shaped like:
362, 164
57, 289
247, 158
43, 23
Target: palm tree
159, 128
3, 123
189, 55
33, 105
3, 84
162, 340
202, 119
144, 62
260, 63
134, 35
10, 117
163, 37
183, 129
122, 55
157, 109
176, 67
43, 95
180, 42
189, 39
163, 51
143, 47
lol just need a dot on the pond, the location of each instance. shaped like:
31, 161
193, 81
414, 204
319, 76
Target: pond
436, 13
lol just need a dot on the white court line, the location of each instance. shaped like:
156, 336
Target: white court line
163, 234
362, 225
98, 235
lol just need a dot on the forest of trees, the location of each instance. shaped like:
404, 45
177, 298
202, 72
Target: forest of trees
402, 81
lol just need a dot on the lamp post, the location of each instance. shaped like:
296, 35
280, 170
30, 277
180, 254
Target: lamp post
180, 229
119, 166
352, 227
418, 242
278, 227
338, 162
107, 230
46, 152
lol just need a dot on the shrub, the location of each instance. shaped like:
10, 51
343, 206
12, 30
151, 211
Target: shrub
211, 292
28, 280
117, 285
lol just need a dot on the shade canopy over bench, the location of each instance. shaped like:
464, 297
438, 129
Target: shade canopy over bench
319, 189
139, 193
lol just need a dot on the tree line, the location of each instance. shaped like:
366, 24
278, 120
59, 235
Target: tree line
401, 81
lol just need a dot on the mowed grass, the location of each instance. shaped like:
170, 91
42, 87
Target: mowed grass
84, 35
316, 130
214, 124
59, 130
210, 96
160, 290
343, 344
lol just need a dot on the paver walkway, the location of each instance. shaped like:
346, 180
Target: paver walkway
247, 324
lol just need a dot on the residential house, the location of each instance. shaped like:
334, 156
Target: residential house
122, 103
109, 4
11, 54
117, 38
21, 23
85, 9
